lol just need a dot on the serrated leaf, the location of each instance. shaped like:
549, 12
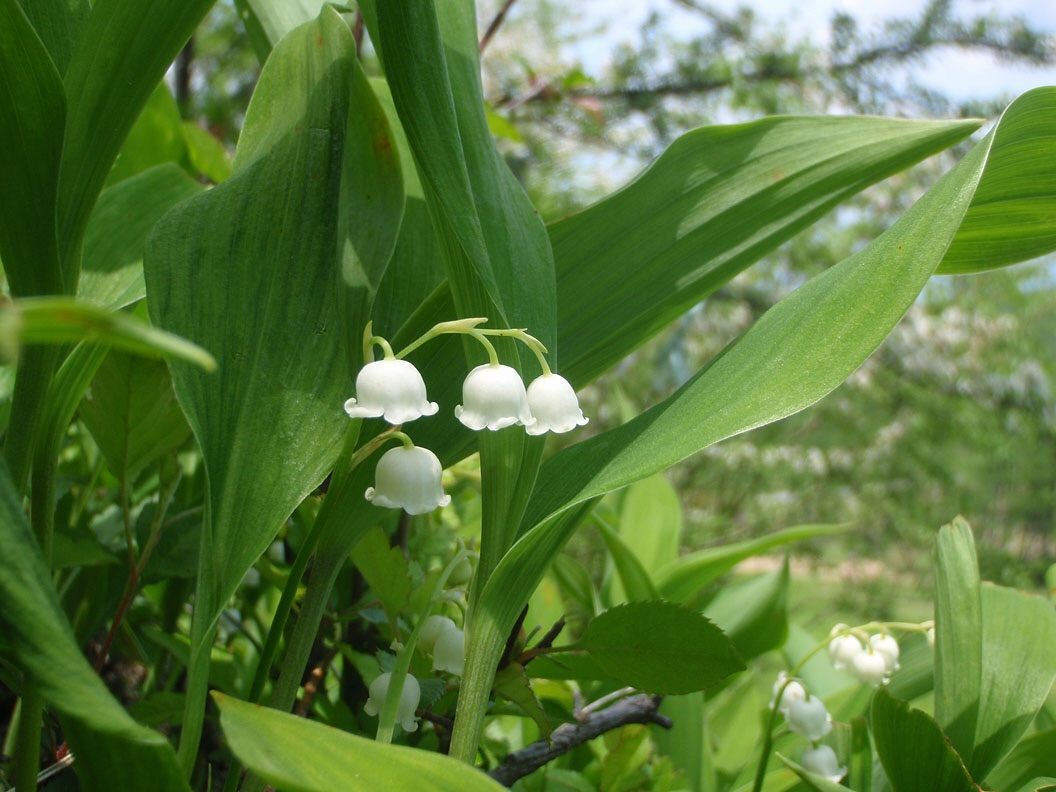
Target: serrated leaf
385, 570
660, 647
298, 755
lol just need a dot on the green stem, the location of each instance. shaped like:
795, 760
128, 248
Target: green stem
27, 741
387, 716
483, 649
36, 368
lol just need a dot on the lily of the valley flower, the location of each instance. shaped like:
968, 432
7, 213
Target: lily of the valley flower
871, 667
494, 397
809, 718
794, 691
392, 389
843, 648
431, 630
409, 698
554, 405
408, 478
821, 760
449, 653
886, 646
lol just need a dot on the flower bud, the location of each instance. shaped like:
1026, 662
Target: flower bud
462, 573
408, 478
821, 760
431, 630
886, 646
931, 637
794, 691
449, 654
409, 698
871, 667
809, 718
390, 388
843, 648
493, 398
554, 405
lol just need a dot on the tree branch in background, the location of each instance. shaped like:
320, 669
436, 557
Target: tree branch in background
496, 23
636, 709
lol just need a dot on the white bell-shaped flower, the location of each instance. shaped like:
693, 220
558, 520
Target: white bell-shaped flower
431, 630
449, 654
870, 667
493, 398
809, 718
392, 389
843, 648
887, 646
931, 637
409, 698
821, 760
408, 478
554, 405
794, 691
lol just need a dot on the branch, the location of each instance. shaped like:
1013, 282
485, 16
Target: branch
496, 23
636, 709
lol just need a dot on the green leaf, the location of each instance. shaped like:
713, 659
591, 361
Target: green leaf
1033, 756
1041, 784
512, 682
207, 155
61, 320
754, 612
132, 413
112, 750
385, 570
716, 201
117, 233
298, 755
651, 522
269, 20
59, 24
121, 56
915, 753
660, 647
32, 112
635, 581
682, 579
249, 269
155, 138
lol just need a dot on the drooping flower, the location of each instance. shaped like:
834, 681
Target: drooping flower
886, 645
821, 760
794, 691
431, 630
462, 573
449, 654
843, 648
554, 405
409, 698
871, 667
493, 398
809, 718
408, 478
392, 389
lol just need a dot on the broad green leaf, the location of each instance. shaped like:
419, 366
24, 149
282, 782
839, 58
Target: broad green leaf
634, 580
717, 200
32, 111
385, 569
249, 269
206, 154
860, 770
794, 355
512, 682
660, 647
915, 753
155, 138
754, 612
683, 578
132, 413
121, 56
958, 636
1040, 784
59, 24
1033, 756
62, 320
298, 755
688, 744
269, 20
651, 522
112, 275
112, 750
1019, 667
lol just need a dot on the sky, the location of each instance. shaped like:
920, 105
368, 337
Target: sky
959, 75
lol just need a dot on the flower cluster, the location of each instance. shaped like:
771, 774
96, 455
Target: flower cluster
493, 397
807, 716
871, 658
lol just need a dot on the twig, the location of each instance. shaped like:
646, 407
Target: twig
316, 677
496, 23
511, 640
636, 709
